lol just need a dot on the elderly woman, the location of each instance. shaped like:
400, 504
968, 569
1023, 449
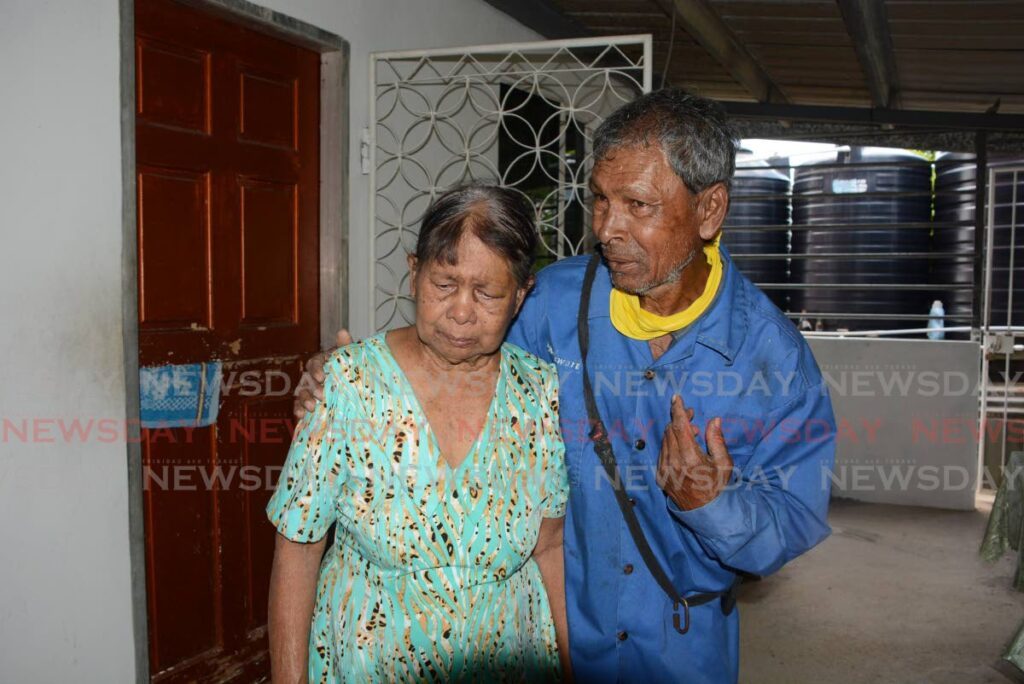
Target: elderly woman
436, 455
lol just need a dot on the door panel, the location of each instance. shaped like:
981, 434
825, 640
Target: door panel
174, 241
181, 537
173, 83
269, 243
268, 106
227, 153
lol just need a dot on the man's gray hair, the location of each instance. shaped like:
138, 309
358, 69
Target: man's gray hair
692, 130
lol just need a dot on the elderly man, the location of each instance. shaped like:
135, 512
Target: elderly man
699, 433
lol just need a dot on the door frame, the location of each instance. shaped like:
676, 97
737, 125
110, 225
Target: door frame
334, 238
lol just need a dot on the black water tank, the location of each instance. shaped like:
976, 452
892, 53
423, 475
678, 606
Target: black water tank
758, 223
847, 208
955, 183
953, 236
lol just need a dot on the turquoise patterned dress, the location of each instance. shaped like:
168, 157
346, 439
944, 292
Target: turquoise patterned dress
429, 577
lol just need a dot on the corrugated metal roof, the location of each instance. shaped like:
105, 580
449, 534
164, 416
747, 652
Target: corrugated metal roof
946, 55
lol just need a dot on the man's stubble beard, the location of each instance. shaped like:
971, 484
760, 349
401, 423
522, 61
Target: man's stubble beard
672, 276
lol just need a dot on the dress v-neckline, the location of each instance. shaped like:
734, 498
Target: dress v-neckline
485, 429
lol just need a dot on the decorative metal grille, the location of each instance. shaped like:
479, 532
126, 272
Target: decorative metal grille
1002, 332
518, 115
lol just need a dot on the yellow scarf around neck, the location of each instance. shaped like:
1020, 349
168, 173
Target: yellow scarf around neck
632, 321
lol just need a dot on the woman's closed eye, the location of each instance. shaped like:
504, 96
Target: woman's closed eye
489, 296
445, 286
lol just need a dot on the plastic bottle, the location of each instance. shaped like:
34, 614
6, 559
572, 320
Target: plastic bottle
936, 321
804, 325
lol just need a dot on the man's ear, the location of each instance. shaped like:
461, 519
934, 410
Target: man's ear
413, 272
712, 206
522, 292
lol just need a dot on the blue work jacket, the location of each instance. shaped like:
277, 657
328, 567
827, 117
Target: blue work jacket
741, 360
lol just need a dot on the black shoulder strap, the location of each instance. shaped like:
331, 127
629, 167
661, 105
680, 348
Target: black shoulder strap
603, 447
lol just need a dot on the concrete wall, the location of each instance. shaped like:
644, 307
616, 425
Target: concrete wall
907, 419
65, 583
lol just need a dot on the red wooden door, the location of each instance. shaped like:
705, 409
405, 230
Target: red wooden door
227, 127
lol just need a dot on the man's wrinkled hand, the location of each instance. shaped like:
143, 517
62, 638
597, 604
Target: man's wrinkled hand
311, 387
691, 476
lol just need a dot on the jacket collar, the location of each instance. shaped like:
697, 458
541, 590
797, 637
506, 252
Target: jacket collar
723, 326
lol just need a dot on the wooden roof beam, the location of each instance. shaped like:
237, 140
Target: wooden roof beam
953, 121
868, 26
703, 23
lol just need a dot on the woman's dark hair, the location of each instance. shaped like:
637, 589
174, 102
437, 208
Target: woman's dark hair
501, 218
692, 130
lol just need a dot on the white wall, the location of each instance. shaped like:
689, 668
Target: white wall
377, 25
64, 566
65, 601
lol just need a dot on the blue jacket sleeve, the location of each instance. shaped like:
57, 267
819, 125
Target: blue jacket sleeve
776, 506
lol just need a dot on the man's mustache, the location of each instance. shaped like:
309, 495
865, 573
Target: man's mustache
621, 254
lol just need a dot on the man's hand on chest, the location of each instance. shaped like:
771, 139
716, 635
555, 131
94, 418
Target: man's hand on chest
689, 475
